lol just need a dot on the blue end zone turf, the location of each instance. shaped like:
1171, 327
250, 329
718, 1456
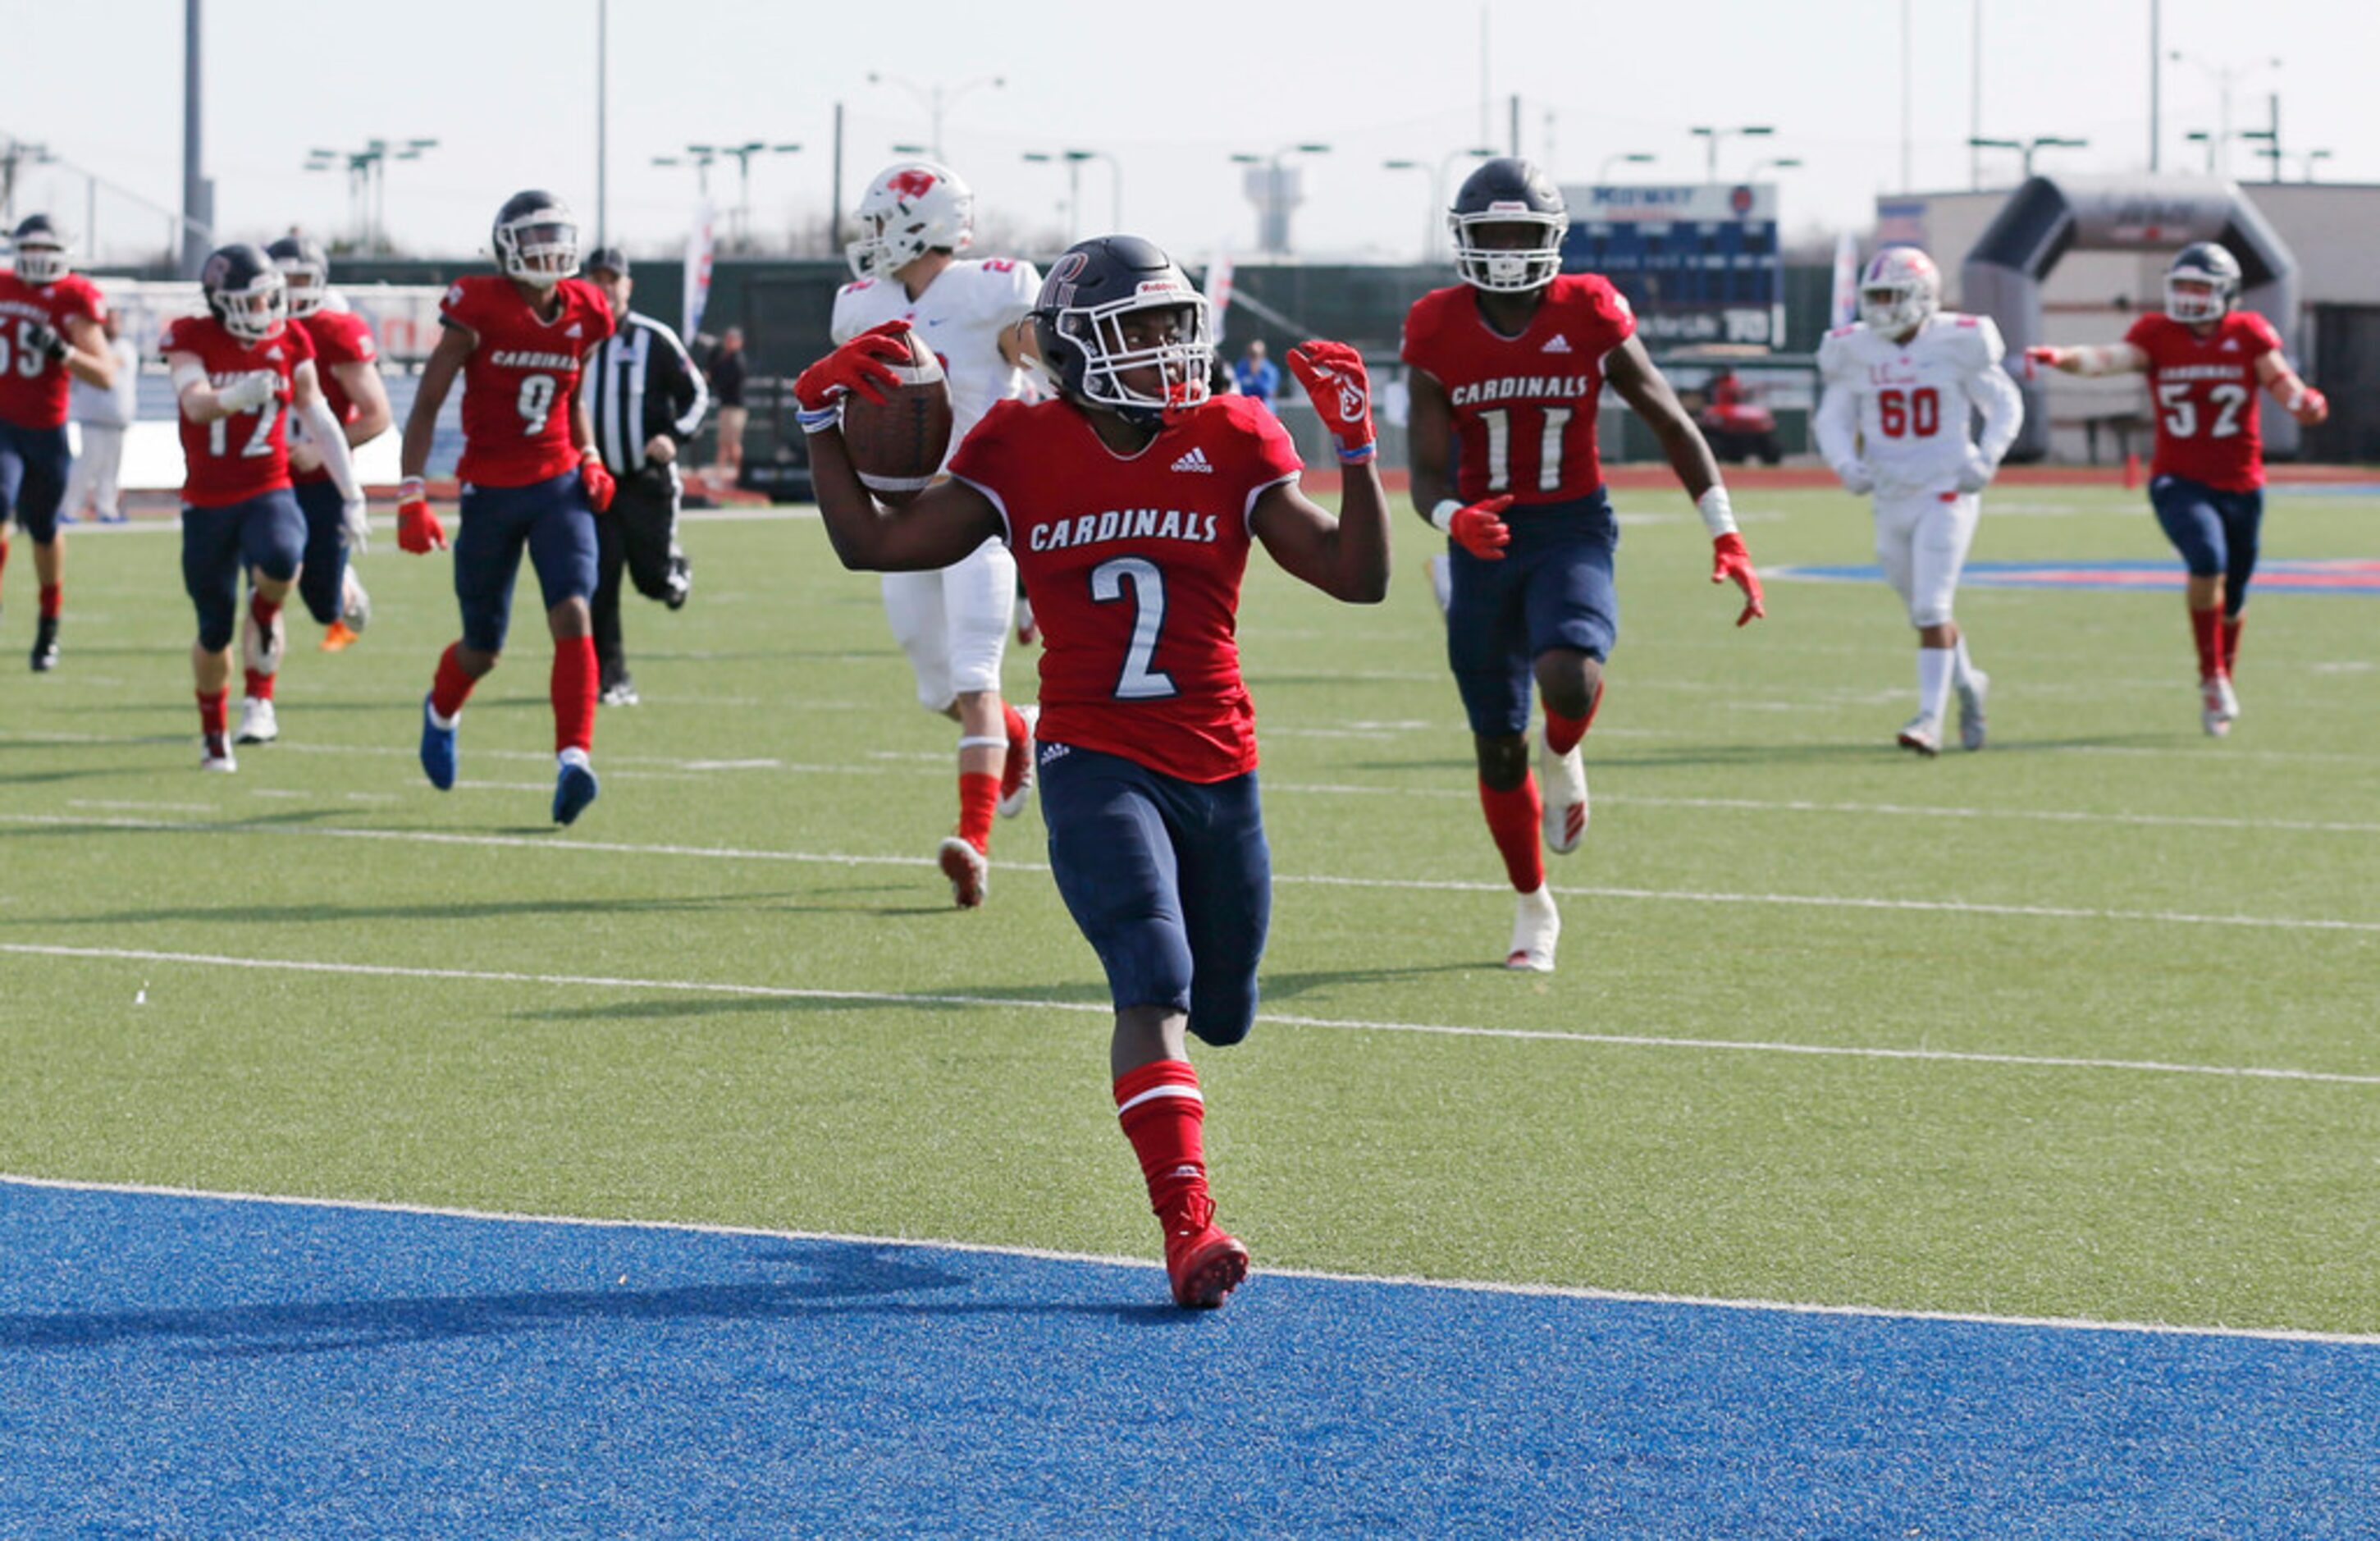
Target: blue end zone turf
194, 1366
2341, 576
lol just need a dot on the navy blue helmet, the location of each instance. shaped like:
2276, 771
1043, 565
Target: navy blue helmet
536, 238
245, 291
1117, 306
2214, 273
305, 268
1504, 193
41, 250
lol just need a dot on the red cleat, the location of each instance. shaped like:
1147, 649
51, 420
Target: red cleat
1204, 1264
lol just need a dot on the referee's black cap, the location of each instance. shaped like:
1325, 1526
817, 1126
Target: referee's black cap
609, 259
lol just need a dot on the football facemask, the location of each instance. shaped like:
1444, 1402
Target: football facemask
1490, 263
1899, 291
1163, 335
540, 248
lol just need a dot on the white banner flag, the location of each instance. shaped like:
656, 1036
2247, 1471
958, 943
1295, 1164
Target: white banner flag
698, 270
1218, 290
1846, 296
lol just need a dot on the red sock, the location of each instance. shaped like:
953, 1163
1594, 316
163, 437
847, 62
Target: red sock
1161, 1109
575, 678
3, 556
210, 710
1013, 720
260, 687
50, 600
1514, 819
264, 611
2231, 642
1562, 733
978, 801
2207, 630
452, 687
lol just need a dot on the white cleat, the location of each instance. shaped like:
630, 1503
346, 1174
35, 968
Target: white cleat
1562, 780
1971, 709
259, 651
214, 754
1923, 734
1016, 771
1537, 927
968, 870
1441, 582
2218, 707
257, 722
355, 605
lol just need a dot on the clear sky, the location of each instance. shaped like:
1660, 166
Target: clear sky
1170, 92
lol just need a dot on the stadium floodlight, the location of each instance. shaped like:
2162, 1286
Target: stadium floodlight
1623, 158
2027, 149
936, 98
2225, 77
1073, 160
1777, 163
1711, 134
367, 170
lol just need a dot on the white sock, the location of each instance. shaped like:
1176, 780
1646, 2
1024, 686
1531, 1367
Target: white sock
1962, 672
1933, 681
573, 756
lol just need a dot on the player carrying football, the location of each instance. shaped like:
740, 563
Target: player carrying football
347, 358
532, 477
241, 372
914, 219
49, 330
1507, 367
1130, 501
2205, 362
1902, 383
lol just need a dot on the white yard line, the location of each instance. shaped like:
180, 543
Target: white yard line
1431, 1029
1544, 1291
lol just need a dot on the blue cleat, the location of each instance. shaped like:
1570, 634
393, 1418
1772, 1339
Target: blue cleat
438, 752
573, 790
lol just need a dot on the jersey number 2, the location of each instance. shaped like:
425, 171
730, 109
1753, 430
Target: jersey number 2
259, 442
2181, 413
1138, 681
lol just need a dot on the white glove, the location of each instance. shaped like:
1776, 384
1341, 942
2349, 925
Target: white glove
355, 519
1976, 473
245, 393
1857, 479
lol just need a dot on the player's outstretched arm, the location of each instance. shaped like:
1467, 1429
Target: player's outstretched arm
1347, 558
1647, 390
200, 402
2114, 359
2298, 399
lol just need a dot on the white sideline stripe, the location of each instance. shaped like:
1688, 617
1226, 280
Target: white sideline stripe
1545, 1292
903, 998
1427, 885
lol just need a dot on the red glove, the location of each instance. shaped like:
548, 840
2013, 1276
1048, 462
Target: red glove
1730, 560
2312, 407
1477, 529
2040, 356
858, 365
597, 480
417, 529
1333, 376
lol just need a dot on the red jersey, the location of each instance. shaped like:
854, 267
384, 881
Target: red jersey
2203, 390
1524, 406
1133, 566
235, 458
339, 338
519, 379
32, 384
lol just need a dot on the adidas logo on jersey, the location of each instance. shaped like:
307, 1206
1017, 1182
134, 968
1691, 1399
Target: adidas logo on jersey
1196, 461
1556, 345
2230, 344
571, 331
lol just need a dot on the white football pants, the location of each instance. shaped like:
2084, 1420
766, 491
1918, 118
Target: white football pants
953, 624
1921, 540
93, 478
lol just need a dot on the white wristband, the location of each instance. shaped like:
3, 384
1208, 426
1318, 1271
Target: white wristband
413, 489
1717, 517
1443, 515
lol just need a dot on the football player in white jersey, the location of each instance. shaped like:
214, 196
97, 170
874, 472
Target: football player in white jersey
915, 219
1902, 383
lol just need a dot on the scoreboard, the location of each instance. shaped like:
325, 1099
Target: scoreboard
1698, 261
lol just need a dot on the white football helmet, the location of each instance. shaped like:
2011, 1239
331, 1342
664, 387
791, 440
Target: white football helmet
912, 208
41, 248
1900, 289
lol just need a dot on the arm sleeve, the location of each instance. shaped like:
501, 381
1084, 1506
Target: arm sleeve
324, 430
1837, 422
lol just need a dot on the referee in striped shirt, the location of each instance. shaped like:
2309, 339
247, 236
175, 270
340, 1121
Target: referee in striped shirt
647, 399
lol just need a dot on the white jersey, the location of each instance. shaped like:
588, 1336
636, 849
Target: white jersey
961, 316
1909, 404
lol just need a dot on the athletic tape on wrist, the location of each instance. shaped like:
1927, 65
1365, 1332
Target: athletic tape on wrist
1443, 515
1717, 517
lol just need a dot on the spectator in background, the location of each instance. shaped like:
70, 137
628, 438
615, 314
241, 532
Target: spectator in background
1256, 375
727, 374
105, 414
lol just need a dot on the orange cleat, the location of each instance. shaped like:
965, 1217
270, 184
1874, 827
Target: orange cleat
338, 637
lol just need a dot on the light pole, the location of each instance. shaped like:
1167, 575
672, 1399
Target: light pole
699, 157
2026, 148
1073, 159
1711, 136
367, 172
1626, 158
937, 98
2311, 157
742, 155
1269, 188
2225, 77
1774, 163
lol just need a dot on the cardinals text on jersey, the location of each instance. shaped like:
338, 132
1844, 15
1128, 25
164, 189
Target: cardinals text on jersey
961, 317
233, 459
2203, 392
1916, 398
521, 377
1133, 567
33, 381
1524, 407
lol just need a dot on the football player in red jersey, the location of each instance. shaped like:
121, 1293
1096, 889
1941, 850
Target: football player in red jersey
532, 477
240, 373
49, 330
2205, 362
1507, 367
1131, 500
347, 358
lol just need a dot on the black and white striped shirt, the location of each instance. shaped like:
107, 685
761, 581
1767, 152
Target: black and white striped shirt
642, 383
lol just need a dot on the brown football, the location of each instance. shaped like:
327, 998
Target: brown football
897, 444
